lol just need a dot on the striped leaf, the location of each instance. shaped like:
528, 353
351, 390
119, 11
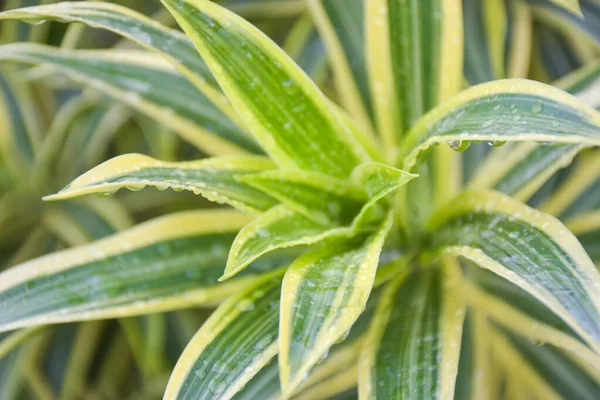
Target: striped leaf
505, 110
325, 200
279, 104
133, 26
232, 346
532, 328
324, 293
213, 178
306, 48
407, 44
521, 170
20, 136
147, 83
532, 250
558, 376
413, 346
498, 36
340, 25
168, 263
587, 229
265, 384
569, 5
579, 192
275, 229
283, 227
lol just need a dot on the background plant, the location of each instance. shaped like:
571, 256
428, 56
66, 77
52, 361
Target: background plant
353, 258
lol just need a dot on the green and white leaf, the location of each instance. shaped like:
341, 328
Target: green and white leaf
280, 106
326, 200
282, 227
213, 178
413, 346
232, 346
505, 110
408, 42
532, 250
147, 83
324, 292
168, 263
339, 23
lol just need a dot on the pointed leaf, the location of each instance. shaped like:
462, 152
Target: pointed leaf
281, 227
340, 25
319, 197
324, 292
558, 372
413, 345
147, 83
131, 25
279, 104
530, 249
168, 263
506, 110
408, 42
521, 170
232, 346
19, 139
277, 228
213, 178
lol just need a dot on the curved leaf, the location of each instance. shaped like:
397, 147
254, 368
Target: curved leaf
340, 24
213, 178
306, 48
586, 227
279, 104
134, 26
281, 227
414, 342
532, 250
168, 263
324, 293
147, 83
505, 110
20, 136
558, 372
408, 42
326, 200
521, 170
232, 346
277, 228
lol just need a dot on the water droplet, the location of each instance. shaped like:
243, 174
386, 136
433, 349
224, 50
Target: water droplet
537, 108
459, 145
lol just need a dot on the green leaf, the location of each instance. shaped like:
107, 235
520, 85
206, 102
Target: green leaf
147, 83
282, 227
306, 48
339, 23
20, 137
415, 56
521, 170
505, 110
532, 250
279, 104
213, 178
413, 346
277, 228
324, 293
131, 25
560, 374
232, 346
168, 263
327, 201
